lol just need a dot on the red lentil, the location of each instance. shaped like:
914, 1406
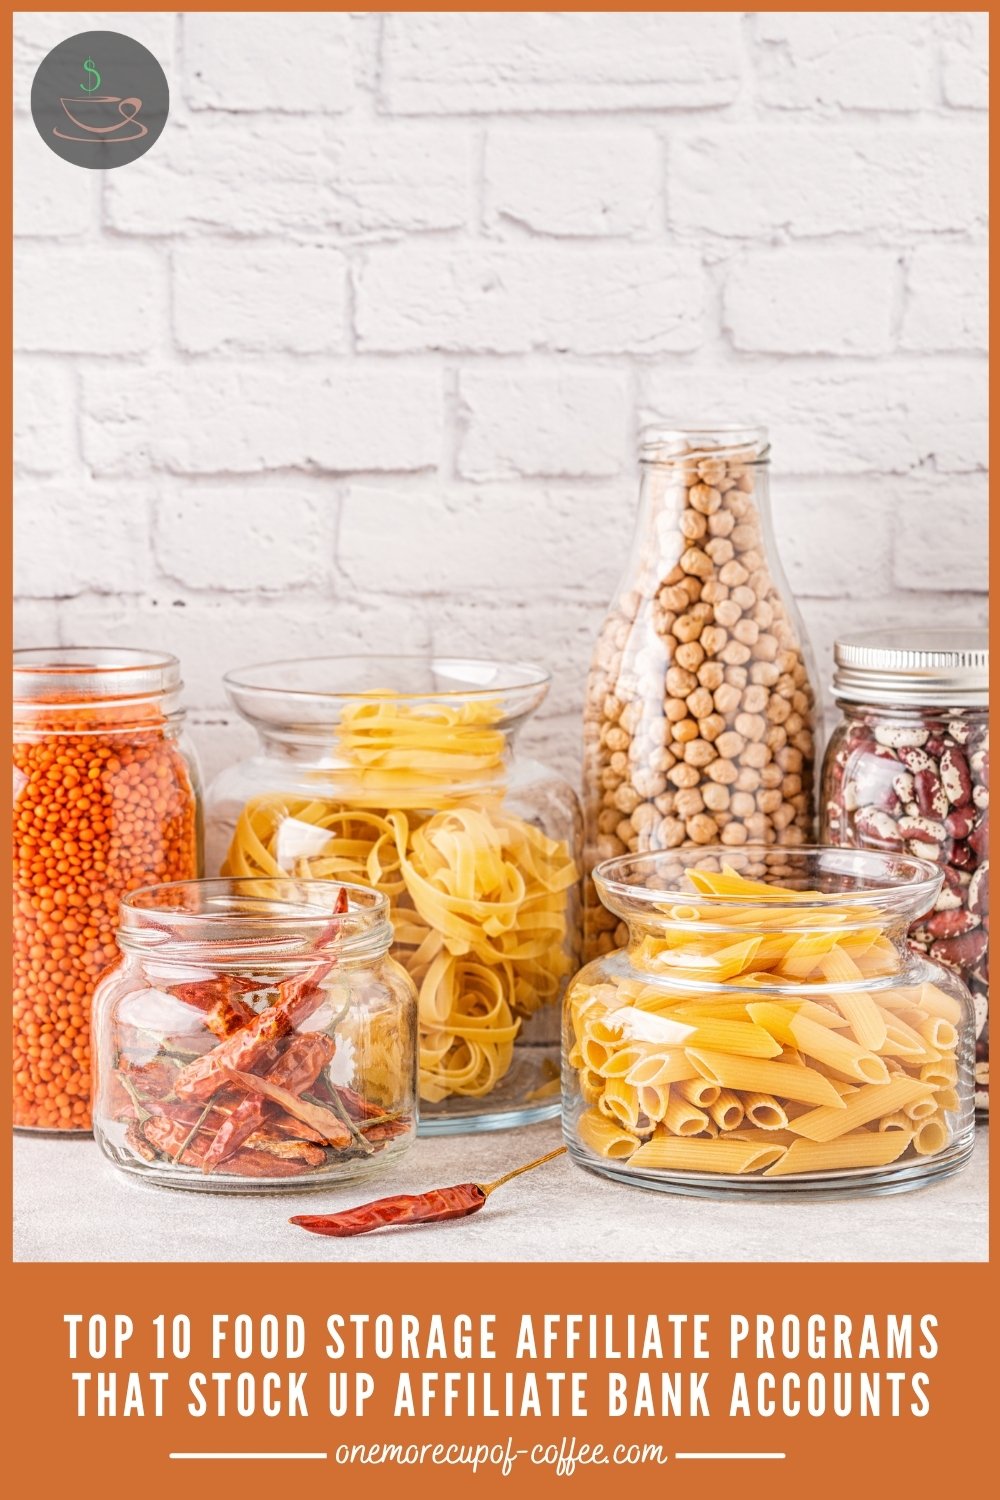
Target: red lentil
103, 804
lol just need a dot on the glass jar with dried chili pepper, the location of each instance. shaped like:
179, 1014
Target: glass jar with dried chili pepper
255, 1034
105, 800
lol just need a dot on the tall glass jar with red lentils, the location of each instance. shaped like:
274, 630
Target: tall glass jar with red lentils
105, 801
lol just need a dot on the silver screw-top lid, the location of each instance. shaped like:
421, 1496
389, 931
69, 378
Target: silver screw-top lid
913, 668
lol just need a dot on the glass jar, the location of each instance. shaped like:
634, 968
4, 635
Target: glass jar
908, 770
105, 800
402, 773
768, 1029
254, 1034
700, 716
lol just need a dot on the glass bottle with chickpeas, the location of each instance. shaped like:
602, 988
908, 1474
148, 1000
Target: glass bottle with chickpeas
700, 717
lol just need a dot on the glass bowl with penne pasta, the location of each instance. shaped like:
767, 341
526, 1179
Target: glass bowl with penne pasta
768, 1027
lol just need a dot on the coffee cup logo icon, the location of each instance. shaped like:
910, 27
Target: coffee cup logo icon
103, 115
80, 113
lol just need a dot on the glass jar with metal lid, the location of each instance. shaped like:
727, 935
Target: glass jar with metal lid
907, 771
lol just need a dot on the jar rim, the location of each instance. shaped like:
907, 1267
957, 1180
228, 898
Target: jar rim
893, 878
304, 699
505, 677
266, 916
89, 674
673, 443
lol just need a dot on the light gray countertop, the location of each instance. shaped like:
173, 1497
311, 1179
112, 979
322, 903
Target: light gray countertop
72, 1205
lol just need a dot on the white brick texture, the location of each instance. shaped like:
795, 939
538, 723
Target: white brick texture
284, 61
99, 300
582, 182
263, 297
802, 300
848, 59
946, 306
248, 417
572, 423
264, 540
584, 300
356, 357
830, 179
478, 62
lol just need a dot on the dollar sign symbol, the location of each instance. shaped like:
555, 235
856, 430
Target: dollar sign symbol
88, 67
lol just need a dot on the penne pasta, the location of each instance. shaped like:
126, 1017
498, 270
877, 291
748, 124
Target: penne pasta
763, 1076
931, 1136
723, 1155
942, 1074
620, 1101
820, 1042
764, 1030
653, 1100
742, 1038
727, 1111
591, 1086
866, 1149
682, 1118
660, 1068
921, 1109
764, 1111
699, 1092
934, 1002
861, 1108
604, 1137
938, 1033
618, 1064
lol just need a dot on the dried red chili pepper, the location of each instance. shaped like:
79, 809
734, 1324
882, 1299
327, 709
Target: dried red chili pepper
414, 1208
245, 1049
357, 1107
219, 998
273, 1144
186, 1144
296, 1070
330, 1126
384, 1130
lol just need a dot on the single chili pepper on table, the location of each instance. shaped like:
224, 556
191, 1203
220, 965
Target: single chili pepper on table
414, 1208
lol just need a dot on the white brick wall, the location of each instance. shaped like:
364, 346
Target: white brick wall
355, 358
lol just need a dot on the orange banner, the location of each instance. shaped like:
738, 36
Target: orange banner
489, 1379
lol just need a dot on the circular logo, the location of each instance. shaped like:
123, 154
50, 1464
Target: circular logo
100, 100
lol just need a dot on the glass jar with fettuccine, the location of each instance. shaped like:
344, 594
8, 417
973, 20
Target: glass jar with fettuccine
768, 1028
402, 773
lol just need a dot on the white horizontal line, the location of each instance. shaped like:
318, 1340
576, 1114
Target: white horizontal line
729, 1455
249, 1455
